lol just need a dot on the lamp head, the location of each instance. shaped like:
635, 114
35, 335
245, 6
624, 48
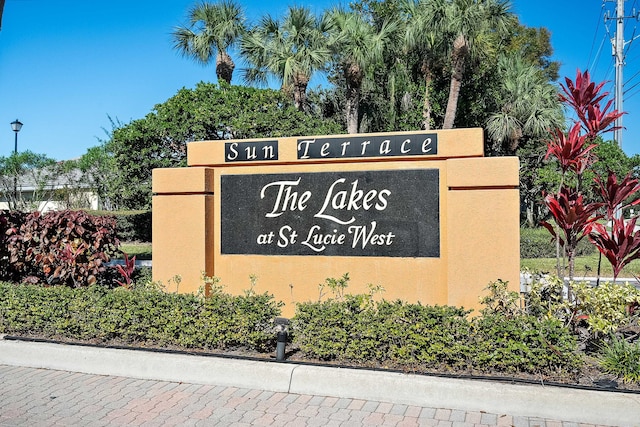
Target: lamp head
16, 125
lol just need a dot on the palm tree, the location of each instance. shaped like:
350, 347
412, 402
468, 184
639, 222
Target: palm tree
213, 29
475, 27
290, 50
356, 46
529, 104
424, 35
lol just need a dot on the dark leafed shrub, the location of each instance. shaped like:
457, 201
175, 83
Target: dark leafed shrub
134, 226
10, 222
66, 247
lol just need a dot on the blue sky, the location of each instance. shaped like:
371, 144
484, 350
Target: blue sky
69, 65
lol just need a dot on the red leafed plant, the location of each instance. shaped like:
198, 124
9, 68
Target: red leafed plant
620, 246
584, 97
582, 93
615, 193
572, 216
126, 271
67, 247
571, 150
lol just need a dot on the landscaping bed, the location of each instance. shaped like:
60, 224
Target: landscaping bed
346, 330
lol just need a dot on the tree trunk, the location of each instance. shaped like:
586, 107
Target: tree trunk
353, 77
300, 92
224, 67
351, 109
426, 106
460, 51
530, 214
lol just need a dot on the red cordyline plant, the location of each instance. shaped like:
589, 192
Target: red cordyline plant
614, 193
622, 244
126, 271
574, 217
584, 97
571, 150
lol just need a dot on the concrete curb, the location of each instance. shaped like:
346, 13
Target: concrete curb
580, 406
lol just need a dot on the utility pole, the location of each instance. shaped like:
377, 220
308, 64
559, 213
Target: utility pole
618, 44
618, 51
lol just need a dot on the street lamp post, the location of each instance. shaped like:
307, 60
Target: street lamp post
15, 126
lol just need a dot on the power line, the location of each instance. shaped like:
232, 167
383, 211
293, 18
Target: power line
637, 84
632, 77
595, 35
633, 94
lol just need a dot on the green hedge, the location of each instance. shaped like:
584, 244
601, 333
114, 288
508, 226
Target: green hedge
444, 338
538, 243
351, 330
140, 316
132, 226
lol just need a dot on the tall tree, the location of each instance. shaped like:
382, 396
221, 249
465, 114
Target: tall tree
529, 105
356, 46
290, 50
475, 28
207, 112
424, 34
534, 45
213, 29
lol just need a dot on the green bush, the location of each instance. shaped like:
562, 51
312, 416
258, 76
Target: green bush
142, 316
523, 344
131, 226
355, 329
606, 307
538, 243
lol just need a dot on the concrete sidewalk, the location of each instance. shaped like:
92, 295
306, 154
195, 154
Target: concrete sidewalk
130, 387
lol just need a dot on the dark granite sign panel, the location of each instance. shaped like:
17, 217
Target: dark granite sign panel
423, 144
250, 151
366, 213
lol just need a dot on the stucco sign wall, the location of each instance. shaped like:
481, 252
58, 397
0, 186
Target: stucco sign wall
425, 215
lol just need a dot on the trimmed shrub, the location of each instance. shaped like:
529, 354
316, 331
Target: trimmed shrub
142, 316
523, 344
355, 329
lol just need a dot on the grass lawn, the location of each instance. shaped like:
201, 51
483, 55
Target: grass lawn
140, 250
586, 266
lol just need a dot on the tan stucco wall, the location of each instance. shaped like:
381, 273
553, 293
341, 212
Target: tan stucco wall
479, 227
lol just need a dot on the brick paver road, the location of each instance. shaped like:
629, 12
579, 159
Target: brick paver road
40, 397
